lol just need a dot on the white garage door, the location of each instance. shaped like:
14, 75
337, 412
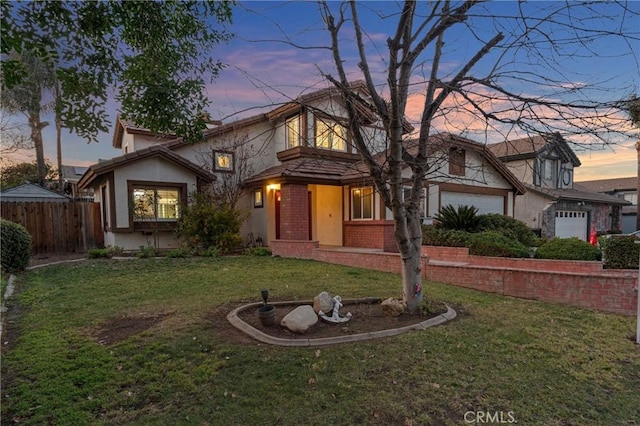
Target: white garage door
484, 203
571, 224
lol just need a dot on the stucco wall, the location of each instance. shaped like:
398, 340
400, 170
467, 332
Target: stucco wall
152, 170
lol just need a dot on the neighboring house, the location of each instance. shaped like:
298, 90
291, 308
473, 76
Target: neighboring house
552, 205
302, 179
70, 177
29, 193
625, 188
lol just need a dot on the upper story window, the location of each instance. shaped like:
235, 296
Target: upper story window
330, 135
362, 203
457, 161
223, 161
547, 169
293, 132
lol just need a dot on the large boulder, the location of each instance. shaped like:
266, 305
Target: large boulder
392, 307
323, 302
300, 319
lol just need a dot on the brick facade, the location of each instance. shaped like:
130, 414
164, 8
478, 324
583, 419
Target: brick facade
294, 212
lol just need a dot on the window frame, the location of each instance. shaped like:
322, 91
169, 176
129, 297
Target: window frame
331, 135
216, 154
457, 161
361, 202
155, 223
258, 198
289, 130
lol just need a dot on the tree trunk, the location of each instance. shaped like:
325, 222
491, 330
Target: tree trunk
36, 137
58, 97
412, 279
638, 188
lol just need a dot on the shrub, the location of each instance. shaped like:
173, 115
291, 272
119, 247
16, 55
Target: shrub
509, 227
107, 252
437, 236
464, 218
204, 225
16, 246
621, 253
210, 252
568, 249
491, 243
178, 252
146, 252
258, 251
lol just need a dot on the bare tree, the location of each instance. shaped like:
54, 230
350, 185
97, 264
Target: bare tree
632, 106
14, 137
506, 66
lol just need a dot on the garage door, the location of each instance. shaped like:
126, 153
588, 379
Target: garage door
484, 203
571, 224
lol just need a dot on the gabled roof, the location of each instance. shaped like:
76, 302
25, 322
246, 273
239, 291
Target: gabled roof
531, 147
130, 127
99, 169
29, 192
578, 195
365, 111
610, 185
444, 141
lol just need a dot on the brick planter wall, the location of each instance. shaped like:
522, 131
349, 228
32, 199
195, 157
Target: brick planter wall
582, 284
376, 234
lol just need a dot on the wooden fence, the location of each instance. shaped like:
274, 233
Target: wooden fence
73, 227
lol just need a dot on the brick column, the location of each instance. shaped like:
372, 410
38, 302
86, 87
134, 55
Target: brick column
294, 212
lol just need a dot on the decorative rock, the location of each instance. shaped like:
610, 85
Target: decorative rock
392, 307
323, 302
300, 319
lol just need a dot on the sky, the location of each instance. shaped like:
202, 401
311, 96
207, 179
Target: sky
262, 70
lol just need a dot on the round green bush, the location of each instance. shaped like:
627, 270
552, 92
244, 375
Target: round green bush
568, 249
438, 236
491, 243
621, 253
509, 227
15, 246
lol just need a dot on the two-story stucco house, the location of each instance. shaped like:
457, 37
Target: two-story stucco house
301, 177
552, 205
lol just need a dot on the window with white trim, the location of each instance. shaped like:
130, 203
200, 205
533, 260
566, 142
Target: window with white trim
293, 132
330, 135
362, 203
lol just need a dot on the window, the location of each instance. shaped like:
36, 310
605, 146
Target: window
258, 199
456, 161
362, 203
547, 169
293, 132
223, 161
155, 204
330, 135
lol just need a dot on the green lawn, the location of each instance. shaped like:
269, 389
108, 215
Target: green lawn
527, 361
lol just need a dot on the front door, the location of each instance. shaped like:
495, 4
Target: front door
277, 195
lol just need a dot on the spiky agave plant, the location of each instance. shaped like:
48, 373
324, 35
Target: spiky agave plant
464, 218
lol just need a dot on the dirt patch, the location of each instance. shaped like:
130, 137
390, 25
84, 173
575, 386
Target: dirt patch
366, 318
122, 328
